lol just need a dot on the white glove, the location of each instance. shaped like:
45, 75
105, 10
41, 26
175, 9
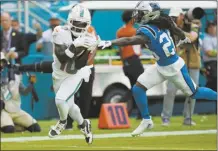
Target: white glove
186, 40
104, 44
85, 41
86, 72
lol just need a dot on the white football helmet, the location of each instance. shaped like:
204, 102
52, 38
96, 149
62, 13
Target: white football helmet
79, 19
146, 11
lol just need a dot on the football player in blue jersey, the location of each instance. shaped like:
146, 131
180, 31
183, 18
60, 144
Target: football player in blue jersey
157, 30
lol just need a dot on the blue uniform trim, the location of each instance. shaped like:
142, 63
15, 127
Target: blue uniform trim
154, 34
170, 60
150, 30
187, 78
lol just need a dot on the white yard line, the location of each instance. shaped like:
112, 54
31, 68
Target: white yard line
91, 147
113, 135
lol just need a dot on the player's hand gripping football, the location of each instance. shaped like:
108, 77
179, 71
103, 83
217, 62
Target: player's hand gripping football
186, 40
85, 41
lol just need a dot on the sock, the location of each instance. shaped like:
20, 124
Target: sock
82, 125
141, 101
75, 114
205, 93
63, 122
63, 109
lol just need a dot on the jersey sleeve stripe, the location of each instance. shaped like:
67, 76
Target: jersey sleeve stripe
150, 30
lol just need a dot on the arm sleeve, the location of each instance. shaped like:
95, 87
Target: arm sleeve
63, 52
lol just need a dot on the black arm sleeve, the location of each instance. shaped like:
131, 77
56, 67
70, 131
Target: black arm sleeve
60, 52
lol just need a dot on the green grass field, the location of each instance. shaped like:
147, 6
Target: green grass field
168, 142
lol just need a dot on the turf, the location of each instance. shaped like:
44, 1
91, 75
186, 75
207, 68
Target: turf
187, 142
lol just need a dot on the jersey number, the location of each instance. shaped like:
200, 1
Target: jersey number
168, 45
69, 67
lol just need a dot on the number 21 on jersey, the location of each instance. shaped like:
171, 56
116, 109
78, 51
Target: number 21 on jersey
167, 42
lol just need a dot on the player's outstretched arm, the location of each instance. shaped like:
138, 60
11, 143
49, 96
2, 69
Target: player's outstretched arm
177, 31
135, 40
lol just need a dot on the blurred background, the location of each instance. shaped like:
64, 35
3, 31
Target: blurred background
37, 19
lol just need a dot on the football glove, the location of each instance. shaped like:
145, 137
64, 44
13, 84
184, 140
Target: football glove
186, 40
85, 41
104, 44
86, 72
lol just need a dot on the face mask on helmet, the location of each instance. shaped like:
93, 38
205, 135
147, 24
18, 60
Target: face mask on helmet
78, 27
145, 12
137, 16
79, 19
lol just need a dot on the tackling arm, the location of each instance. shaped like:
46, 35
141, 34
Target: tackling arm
177, 31
135, 40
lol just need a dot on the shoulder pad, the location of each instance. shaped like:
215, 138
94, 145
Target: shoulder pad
59, 34
146, 30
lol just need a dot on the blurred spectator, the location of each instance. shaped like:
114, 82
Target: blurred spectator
12, 43
210, 55
83, 97
191, 55
16, 25
11, 112
132, 65
45, 40
30, 38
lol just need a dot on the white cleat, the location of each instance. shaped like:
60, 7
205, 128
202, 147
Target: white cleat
56, 130
87, 131
145, 124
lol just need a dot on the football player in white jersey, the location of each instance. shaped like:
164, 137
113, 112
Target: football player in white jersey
72, 45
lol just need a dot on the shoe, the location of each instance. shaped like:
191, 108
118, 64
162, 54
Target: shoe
189, 122
57, 129
165, 121
145, 124
87, 131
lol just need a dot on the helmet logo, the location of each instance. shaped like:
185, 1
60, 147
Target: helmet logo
82, 13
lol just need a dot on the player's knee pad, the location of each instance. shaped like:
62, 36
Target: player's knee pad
34, 128
8, 129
